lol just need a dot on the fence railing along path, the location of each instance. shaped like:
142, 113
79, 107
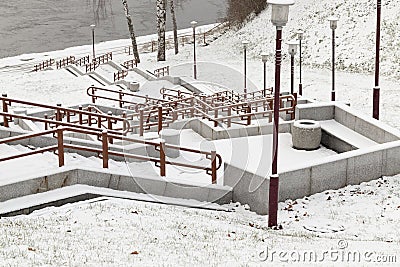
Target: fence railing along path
61, 116
105, 152
235, 109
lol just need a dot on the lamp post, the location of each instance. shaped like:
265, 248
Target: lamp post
245, 44
375, 111
292, 51
279, 18
333, 23
264, 58
194, 23
300, 36
93, 26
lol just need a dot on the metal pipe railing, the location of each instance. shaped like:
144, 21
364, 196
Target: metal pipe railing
105, 151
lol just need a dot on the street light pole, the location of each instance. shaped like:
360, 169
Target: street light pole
245, 43
279, 18
194, 23
93, 26
333, 24
292, 51
375, 111
300, 35
264, 58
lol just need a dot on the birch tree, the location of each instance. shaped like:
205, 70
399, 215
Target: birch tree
161, 19
131, 30
174, 26
99, 7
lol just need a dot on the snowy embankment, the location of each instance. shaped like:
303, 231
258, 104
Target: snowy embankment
362, 218
360, 221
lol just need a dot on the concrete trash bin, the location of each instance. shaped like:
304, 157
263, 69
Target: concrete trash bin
172, 137
306, 134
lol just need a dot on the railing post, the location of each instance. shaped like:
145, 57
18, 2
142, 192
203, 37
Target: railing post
99, 121
124, 116
141, 128
58, 113
60, 146
5, 110
90, 116
109, 124
215, 116
214, 167
249, 116
104, 140
162, 158
160, 114
80, 115
93, 97
46, 117
229, 114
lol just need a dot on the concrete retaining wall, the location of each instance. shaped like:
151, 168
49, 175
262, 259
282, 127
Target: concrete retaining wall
330, 173
66, 177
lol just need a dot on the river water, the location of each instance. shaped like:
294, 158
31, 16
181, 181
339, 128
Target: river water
28, 26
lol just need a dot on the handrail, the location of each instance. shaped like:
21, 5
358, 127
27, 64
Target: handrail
65, 62
45, 64
119, 75
105, 151
49, 122
161, 72
91, 91
183, 36
60, 112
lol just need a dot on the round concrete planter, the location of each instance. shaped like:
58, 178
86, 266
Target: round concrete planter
306, 134
171, 136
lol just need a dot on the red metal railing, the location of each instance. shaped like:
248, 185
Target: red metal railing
130, 64
92, 91
77, 117
225, 107
65, 62
103, 58
45, 64
151, 46
91, 66
105, 151
121, 74
82, 61
161, 72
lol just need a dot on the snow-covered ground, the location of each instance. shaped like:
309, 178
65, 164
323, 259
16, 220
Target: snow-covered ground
360, 220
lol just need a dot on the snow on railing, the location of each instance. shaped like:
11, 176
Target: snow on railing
70, 117
121, 74
82, 61
65, 62
161, 72
44, 65
104, 136
130, 64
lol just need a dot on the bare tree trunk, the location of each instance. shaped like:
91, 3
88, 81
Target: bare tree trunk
174, 26
161, 19
131, 30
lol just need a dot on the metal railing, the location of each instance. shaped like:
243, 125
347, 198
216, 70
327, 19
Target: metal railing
224, 107
73, 117
151, 46
105, 151
82, 61
121, 74
161, 72
93, 92
65, 62
45, 64
130, 64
